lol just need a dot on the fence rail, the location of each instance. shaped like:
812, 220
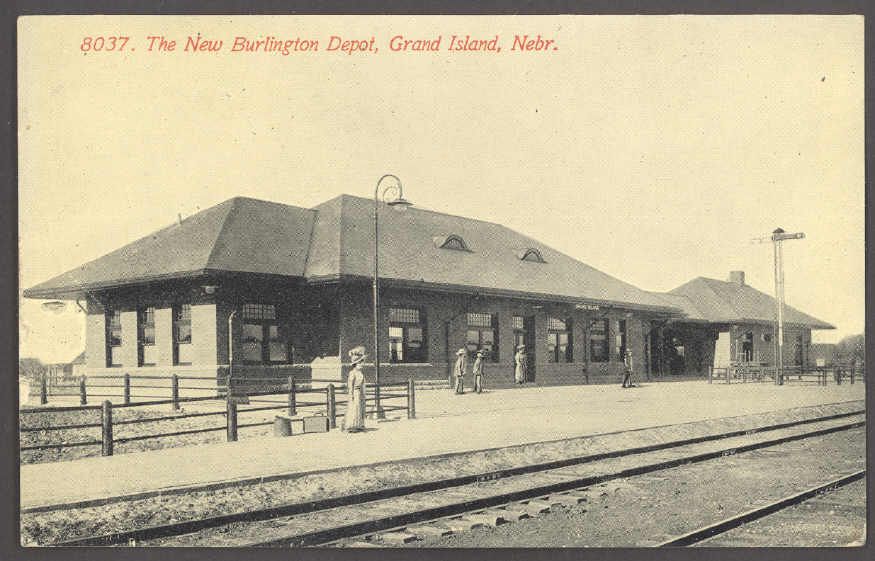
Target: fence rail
236, 395
820, 375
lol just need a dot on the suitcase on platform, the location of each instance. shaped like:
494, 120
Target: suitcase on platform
316, 424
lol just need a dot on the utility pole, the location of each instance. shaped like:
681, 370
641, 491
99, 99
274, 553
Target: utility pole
778, 236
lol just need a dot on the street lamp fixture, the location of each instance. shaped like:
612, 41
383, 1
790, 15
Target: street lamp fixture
778, 236
398, 202
55, 306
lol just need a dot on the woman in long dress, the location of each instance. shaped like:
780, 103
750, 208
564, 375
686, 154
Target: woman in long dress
354, 419
522, 364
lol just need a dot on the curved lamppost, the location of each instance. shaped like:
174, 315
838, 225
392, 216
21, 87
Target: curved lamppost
399, 203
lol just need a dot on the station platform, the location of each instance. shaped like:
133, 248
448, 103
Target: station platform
446, 423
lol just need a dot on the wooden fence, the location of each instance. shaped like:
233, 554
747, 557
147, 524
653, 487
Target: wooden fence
819, 375
286, 399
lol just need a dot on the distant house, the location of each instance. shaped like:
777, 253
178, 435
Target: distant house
730, 321
822, 354
78, 365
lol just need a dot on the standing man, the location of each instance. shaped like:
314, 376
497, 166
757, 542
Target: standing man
627, 367
459, 370
477, 371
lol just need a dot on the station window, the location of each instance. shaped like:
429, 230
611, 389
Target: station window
264, 339
407, 342
182, 334
146, 351
559, 347
113, 338
482, 334
598, 341
620, 340
520, 336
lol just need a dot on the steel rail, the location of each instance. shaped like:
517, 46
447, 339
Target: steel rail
189, 526
723, 526
403, 519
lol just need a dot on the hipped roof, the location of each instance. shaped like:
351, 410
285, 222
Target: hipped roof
335, 240
241, 235
719, 301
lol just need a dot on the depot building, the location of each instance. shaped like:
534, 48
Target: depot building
278, 290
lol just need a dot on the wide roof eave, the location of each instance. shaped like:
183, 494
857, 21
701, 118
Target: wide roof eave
445, 287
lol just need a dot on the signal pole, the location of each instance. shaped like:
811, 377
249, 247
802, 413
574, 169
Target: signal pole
778, 236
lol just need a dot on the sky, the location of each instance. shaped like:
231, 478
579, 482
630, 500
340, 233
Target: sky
654, 148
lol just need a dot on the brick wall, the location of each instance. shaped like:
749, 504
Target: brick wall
95, 338
446, 325
162, 298
326, 322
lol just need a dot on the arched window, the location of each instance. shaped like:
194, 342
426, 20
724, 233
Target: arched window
451, 241
531, 254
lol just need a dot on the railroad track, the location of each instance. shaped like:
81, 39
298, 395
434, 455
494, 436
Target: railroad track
712, 530
401, 514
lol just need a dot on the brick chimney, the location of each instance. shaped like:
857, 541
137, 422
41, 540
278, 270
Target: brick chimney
737, 277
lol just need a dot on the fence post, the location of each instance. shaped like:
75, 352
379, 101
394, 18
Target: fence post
411, 399
710, 374
83, 396
43, 391
127, 390
331, 407
292, 406
839, 373
232, 419
853, 372
174, 391
106, 429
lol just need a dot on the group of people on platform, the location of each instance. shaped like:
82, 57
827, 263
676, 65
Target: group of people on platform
354, 420
521, 368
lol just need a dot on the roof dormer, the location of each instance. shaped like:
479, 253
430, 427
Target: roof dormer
451, 241
531, 254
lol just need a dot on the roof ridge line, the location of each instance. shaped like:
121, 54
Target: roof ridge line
688, 299
221, 232
340, 229
721, 298
310, 241
415, 208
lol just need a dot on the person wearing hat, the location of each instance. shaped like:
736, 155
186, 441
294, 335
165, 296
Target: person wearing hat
627, 369
521, 360
477, 371
459, 369
354, 419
